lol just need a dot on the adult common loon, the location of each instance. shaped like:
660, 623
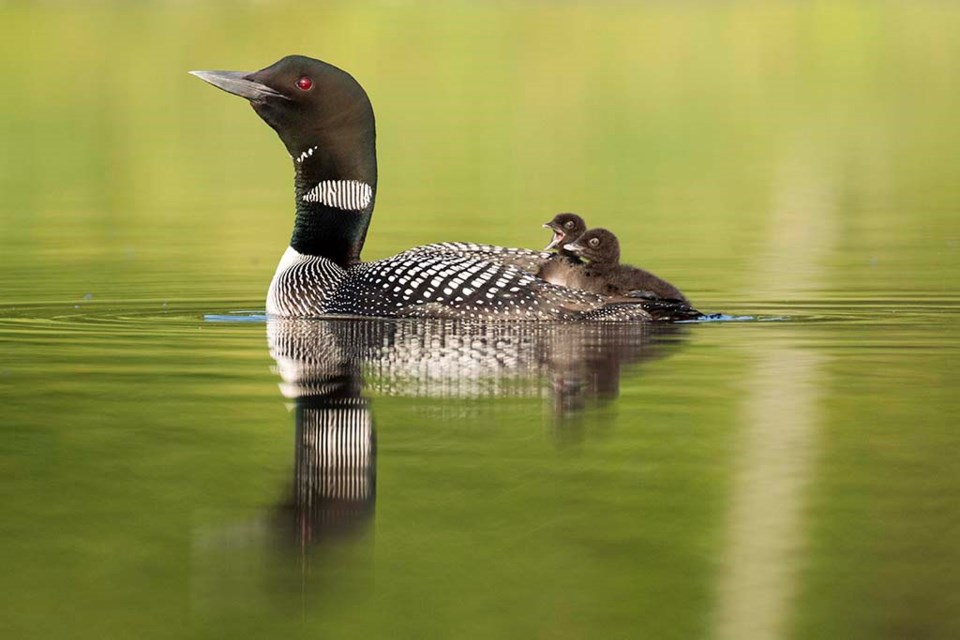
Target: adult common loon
606, 276
324, 118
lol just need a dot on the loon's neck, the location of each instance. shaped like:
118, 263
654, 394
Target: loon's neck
336, 185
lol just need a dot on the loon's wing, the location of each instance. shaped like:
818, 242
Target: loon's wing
527, 260
421, 283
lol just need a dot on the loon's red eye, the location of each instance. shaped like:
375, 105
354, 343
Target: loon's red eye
305, 83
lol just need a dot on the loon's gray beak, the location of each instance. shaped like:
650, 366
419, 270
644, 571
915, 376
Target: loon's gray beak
573, 246
239, 84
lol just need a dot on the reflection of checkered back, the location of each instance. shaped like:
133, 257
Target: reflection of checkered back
452, 359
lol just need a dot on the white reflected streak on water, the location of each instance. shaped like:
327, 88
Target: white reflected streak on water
766, 530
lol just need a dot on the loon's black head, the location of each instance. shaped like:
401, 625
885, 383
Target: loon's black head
306, 101
325, 120
599, 246
567, 227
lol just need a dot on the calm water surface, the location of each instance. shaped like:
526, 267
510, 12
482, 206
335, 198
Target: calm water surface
175, 465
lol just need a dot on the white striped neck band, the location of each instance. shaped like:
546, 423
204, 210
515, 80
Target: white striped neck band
350, 195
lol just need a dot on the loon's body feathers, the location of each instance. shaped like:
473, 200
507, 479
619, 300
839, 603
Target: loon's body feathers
302, 285
423, 282
527, 260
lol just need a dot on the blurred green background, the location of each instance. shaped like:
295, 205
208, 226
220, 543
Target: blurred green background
691, 129
779, 479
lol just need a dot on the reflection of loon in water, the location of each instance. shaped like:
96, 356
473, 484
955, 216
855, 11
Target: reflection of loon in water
326, 364
335, 472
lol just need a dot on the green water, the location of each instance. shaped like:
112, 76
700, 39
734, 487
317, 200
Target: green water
793, 476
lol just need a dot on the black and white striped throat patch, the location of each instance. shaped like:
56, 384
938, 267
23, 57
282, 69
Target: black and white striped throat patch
350, 195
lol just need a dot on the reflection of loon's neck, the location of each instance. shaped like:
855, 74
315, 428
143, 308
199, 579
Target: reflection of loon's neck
335, 474
335, 454
335, 460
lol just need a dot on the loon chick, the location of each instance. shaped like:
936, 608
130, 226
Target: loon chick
560, 268
325, 119
605, 275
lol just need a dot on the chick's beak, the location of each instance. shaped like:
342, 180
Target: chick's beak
557, 237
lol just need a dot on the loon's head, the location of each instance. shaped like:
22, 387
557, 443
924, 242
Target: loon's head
306, 101
599, 246
567, 227
324, 118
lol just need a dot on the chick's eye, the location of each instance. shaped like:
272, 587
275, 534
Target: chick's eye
594, 242
568, 224
304, 83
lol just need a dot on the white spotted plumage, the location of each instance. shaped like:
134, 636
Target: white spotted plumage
428, 283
